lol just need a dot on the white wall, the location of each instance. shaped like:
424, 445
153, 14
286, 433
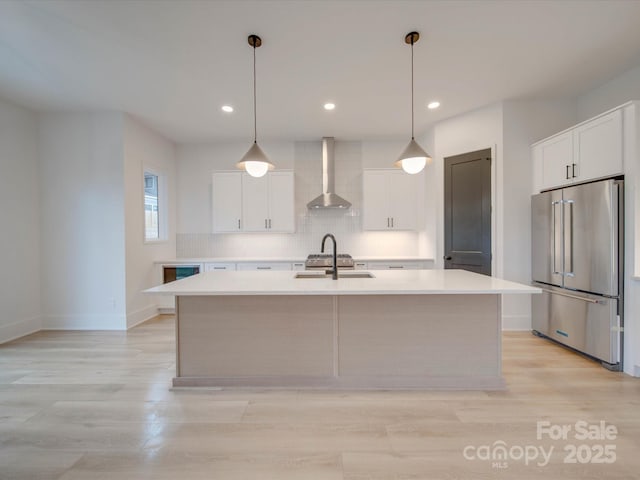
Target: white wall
82, 208
20, 220
196, 163
617, 91
508, 128
524, 122
145, 149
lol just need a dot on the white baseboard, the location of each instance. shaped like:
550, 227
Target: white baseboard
141, 315
84, 322
20, 329
516, 322
636, 371
167, 310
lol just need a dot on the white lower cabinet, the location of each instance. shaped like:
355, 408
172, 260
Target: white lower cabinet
395, 265
264, 266
211, 267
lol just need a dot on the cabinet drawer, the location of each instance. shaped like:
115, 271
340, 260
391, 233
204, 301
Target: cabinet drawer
264, 266
394, 265
210, 267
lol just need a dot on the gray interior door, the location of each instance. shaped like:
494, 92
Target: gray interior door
467, 212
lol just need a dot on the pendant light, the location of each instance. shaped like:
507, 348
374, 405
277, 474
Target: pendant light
414, 157
255, 162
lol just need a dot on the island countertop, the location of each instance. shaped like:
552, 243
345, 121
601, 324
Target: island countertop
405, 282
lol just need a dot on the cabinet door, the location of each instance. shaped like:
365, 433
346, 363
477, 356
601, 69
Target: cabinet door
598, 147
255, 204
403, 200
556, 156
281, 202
375, 212
226, 201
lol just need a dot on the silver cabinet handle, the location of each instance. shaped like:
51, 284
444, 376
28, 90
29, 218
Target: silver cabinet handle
238, 224
576, 297
388, 223
396, 266
219, 268
269, 224
391, 222
264, 268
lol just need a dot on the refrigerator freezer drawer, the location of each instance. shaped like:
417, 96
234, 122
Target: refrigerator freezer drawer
587, 323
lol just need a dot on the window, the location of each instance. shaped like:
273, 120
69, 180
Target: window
152, 222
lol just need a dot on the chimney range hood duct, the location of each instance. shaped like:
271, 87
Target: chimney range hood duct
328, 198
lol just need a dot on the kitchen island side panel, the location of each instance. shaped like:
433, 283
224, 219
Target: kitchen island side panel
255, 336
419, 336
355, 341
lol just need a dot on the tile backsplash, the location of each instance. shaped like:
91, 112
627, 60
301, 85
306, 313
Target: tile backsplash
311, 225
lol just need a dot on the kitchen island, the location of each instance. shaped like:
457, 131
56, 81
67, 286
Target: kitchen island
399, 329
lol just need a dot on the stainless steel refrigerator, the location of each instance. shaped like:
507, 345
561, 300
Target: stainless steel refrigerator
577, 260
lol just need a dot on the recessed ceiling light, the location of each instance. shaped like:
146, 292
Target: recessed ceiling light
329, 106
432, 105
227, 108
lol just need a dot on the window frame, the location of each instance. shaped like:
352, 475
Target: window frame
161, 206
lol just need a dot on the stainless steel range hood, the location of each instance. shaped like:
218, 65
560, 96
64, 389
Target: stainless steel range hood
328, 198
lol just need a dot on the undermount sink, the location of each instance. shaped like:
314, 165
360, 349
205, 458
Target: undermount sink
340, 275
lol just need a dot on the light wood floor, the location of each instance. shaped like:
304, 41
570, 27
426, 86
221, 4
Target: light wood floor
98, 405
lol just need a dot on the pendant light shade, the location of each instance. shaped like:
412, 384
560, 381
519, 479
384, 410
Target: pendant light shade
414, 158
255, 161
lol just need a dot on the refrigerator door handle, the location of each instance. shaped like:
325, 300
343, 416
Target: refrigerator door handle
576, 297
568, 237
557, 222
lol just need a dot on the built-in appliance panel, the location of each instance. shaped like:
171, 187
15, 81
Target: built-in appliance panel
585, 324
591, 237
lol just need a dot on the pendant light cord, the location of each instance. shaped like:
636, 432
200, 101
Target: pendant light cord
412, 135
255, 123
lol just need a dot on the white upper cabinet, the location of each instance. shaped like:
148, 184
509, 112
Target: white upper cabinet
242, 203
281, 202
555, 159
390, 200
588, 151
255, 205
268, 203
598, 147
226, 199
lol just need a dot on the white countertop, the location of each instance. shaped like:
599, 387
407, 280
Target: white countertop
404, 282
190, 260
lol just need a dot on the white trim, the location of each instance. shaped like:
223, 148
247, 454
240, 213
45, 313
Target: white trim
84, 322
141, 315
19, 329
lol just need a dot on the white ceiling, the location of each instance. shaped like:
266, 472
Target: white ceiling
173, 64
